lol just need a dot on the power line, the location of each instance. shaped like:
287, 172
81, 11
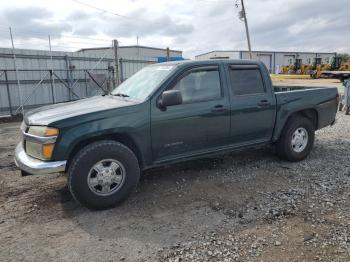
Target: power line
101, 9
31, 32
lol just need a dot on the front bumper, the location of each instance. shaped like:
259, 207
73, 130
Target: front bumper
35, 166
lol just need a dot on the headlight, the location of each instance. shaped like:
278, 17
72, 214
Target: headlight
40, 141
43, 131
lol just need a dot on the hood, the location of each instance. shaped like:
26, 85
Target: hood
49, 114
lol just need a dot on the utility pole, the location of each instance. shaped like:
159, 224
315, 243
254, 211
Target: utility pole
116, 61
243, 16
167, 54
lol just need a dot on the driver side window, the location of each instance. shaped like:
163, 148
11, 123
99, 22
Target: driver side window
200, 85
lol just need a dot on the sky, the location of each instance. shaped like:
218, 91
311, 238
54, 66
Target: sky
195, 26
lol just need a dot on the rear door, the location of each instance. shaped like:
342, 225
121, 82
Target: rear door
201, 122
253, 105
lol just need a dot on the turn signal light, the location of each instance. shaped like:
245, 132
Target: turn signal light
48, 150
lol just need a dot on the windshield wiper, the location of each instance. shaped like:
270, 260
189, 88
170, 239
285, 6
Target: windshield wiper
121, 95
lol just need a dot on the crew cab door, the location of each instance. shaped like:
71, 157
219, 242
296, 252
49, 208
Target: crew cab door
201, 122
253, 105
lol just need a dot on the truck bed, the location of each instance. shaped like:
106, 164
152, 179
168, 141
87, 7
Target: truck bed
322, 100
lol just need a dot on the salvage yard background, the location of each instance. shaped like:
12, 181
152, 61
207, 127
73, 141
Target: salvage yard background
247, 206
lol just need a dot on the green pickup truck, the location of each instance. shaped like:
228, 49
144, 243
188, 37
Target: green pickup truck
167, 113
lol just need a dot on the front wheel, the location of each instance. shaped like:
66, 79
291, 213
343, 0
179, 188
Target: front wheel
103, 174
297, 139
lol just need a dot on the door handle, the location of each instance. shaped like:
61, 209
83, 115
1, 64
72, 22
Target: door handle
218, 108
264, 103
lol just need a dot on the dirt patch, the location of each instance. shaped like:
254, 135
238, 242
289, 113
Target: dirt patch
11, 119
246, 206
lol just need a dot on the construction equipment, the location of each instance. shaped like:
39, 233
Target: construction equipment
336, 69
345, 66
336, 63
305, 69
287, 69
293, 68
316, 67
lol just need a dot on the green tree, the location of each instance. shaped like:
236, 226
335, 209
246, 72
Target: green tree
345, 57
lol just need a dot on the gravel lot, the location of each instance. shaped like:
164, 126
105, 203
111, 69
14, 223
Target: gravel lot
245, 206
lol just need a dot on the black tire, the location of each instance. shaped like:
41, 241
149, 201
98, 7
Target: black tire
347, 110
341, 106
83, 162
284, 146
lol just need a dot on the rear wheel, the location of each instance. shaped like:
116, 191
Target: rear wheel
103, 174
297, 139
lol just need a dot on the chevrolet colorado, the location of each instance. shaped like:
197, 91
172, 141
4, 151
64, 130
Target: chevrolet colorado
167, 113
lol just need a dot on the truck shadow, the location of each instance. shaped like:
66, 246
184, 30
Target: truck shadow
179, 202
175, 202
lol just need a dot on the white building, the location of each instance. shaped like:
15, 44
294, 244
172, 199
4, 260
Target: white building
135, 51
273, 60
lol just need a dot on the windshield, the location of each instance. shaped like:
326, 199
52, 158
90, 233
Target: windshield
144, 82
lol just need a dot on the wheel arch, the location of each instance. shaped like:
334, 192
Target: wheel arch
309, 113
122, 138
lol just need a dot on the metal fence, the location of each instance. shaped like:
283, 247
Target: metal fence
129, 66
42, 79
41, 87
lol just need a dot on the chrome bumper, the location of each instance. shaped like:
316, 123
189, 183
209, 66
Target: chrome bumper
35, 166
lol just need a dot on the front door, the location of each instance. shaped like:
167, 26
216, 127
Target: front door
201, 122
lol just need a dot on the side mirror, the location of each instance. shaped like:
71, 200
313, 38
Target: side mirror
170, 98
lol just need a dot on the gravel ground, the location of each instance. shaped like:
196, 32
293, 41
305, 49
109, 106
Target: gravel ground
245, 206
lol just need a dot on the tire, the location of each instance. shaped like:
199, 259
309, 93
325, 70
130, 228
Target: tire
347, 110
298, 150
117, 165
341, 106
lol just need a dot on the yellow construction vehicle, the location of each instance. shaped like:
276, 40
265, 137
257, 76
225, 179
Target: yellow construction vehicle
319, 69
344, 66
287, 69
338, 69
305, 69
292, 68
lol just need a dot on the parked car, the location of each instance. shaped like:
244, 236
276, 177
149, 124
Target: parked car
167, 113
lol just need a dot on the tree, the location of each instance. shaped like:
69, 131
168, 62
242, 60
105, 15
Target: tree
345, 57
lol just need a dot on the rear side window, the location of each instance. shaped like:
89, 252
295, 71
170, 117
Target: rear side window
246, 81
200, 85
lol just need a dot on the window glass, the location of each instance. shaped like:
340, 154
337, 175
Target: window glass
247, 81
144, 82
199, 86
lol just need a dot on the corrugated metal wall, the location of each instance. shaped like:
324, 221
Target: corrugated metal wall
129, 66
74, 76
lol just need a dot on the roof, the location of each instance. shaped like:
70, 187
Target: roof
210, 62
264, 51
128, 46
